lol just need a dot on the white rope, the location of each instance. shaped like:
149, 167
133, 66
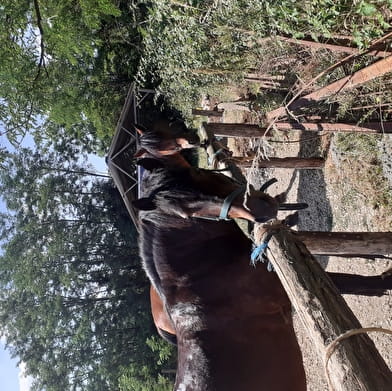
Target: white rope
333, 345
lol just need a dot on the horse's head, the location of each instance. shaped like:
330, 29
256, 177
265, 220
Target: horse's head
240, 201
165, 138
192, 192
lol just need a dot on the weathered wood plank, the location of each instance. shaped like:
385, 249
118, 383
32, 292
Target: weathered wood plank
236, 130
286, 162
347, 243
356, 365
208, 113
370, 127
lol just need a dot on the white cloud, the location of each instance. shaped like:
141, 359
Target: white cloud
24, 381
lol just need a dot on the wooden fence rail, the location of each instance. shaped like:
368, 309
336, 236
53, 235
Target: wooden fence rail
208, 113
370, 127
356, 365
254, 131
234, 130
347, 243
285, 162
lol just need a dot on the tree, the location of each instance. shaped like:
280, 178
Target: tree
74, 300
67, 62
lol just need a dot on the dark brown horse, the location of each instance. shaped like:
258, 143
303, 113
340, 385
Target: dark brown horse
161, 318
193, 375
165, 138
232, 321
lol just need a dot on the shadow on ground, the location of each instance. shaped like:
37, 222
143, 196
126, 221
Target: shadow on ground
312, 190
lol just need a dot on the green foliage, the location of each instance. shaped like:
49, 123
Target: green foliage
74, 301
164, 351
191, 46
142, 380
68, 62
72, 62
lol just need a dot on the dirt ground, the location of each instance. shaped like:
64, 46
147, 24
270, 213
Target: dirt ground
333, 206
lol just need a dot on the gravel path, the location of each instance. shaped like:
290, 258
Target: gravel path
333, 206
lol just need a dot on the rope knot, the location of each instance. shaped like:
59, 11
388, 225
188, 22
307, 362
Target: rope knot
258, 254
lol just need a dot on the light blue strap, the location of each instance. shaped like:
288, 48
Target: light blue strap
211, 159
259, 250
258, 254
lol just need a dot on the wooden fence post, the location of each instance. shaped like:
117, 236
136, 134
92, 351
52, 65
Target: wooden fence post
235, 130
347, 243
356, 365
208, 113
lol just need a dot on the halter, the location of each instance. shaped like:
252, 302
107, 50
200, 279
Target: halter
227, 202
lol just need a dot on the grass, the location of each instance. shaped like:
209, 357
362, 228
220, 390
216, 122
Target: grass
362, 172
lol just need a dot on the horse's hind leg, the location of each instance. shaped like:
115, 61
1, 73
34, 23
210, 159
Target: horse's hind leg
362, 285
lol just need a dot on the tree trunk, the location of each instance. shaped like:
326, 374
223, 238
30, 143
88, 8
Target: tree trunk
332, 47
356, 365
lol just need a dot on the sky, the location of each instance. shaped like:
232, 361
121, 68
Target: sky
9, 372
11, 376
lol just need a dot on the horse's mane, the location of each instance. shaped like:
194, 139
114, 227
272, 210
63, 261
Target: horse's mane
151, 142
166, 190
150, 139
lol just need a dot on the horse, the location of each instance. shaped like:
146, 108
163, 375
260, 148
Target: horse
172, 157
165, 138
161, 318
233, 322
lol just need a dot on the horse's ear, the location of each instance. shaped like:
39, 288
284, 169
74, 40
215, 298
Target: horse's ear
250, 190
139, 153
140, 129
143, 204
150, 164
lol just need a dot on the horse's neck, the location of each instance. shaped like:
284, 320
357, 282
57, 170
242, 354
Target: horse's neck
220, 361
234, 352
245, 359
177, 160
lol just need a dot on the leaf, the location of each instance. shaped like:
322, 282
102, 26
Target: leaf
366, 9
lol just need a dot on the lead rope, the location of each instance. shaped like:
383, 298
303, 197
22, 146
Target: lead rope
333, 345
258, 254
